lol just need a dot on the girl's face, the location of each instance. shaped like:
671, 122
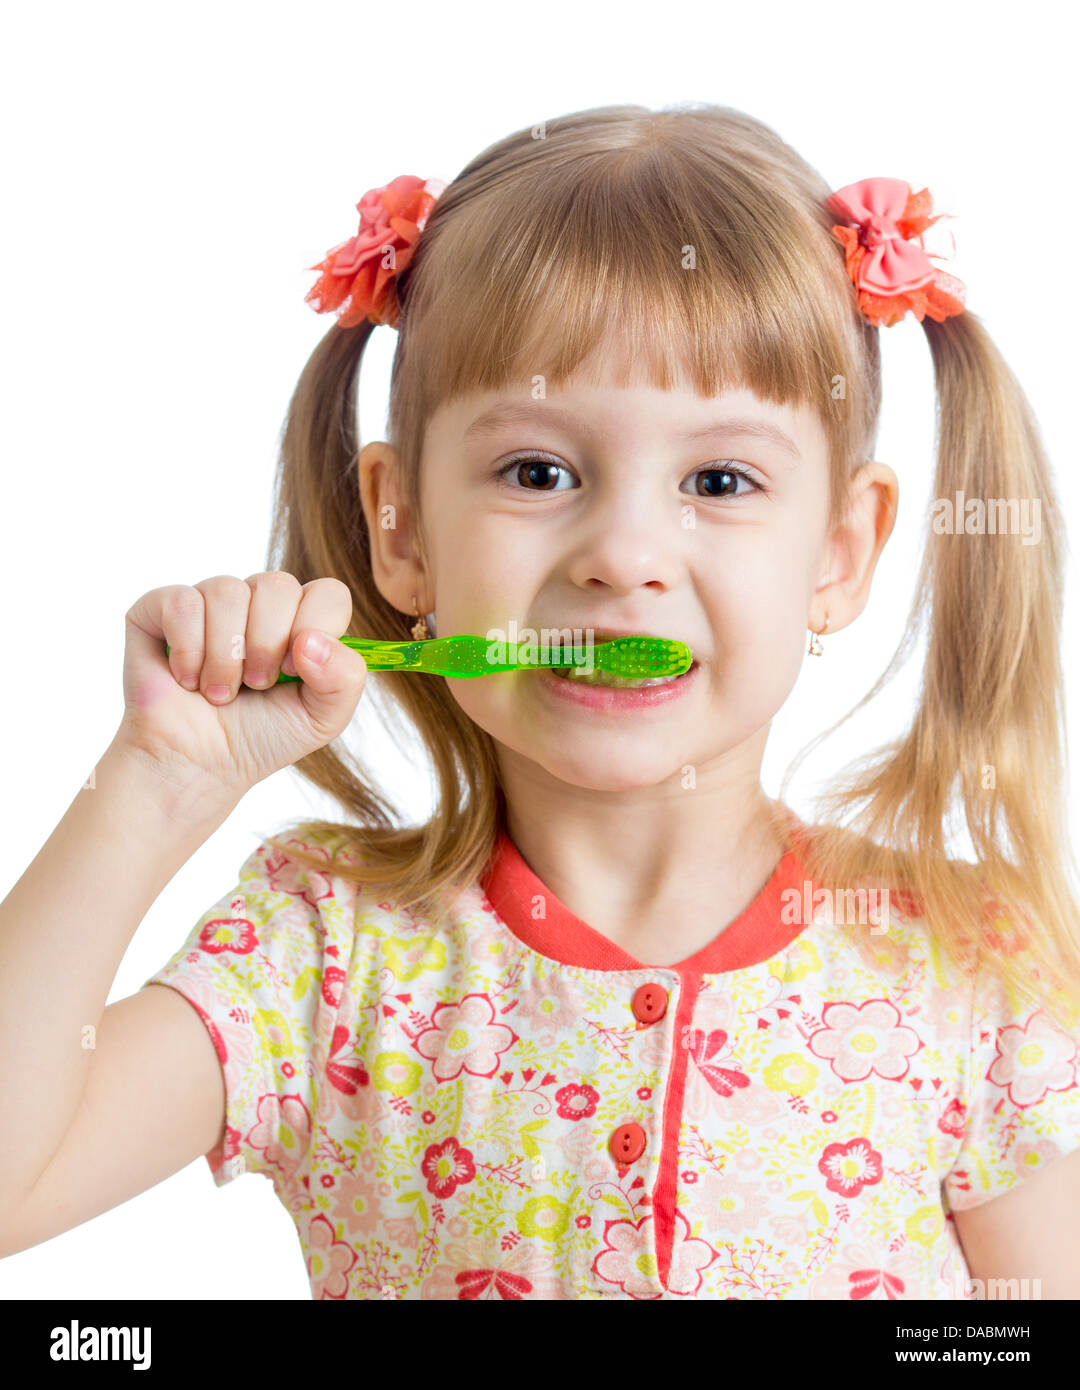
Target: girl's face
641, 510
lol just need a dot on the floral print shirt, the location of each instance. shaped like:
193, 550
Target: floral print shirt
509, 1106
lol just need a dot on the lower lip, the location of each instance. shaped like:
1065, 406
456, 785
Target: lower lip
613, 700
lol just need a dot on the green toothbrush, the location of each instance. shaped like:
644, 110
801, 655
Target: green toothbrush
635, 658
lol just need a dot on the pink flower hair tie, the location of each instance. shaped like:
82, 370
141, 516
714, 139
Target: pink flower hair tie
884, 254
358, 278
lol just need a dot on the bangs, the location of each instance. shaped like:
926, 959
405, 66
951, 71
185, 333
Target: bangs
643, 258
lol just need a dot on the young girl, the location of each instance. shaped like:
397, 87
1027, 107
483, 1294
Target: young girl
612, 1024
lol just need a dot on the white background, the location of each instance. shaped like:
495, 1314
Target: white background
170, 171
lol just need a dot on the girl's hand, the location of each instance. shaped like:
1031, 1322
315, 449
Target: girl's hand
228, 639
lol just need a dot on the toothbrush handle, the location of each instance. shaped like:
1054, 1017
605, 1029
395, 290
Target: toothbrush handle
446, 656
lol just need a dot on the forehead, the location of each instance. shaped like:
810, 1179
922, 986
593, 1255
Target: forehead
607, 410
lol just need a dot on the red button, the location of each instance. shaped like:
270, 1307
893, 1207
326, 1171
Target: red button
650, 1003
627, 1143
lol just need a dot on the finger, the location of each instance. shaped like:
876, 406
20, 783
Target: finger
325, 604
227, 601
275, 598
329, 688
174, 615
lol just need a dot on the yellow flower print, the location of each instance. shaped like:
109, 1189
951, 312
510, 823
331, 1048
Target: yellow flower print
545, 1217
807, 960
397, 1073
273, 1028
791, 1072
408, 958
925, 1225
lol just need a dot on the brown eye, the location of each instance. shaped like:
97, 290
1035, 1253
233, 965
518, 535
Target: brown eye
723, 482
532, 474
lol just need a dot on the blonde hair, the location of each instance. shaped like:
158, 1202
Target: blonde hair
538, 251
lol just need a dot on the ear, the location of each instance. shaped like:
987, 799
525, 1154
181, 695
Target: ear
853, 549
397, 572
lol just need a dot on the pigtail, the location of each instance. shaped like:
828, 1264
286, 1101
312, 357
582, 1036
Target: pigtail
319, 529
988, 732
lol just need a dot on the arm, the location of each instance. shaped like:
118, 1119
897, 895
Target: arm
1030, 1232
64, 929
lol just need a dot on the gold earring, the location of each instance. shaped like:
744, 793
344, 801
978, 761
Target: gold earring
420, 627
815, 648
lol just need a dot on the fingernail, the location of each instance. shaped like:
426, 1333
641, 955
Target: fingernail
217, 692
316, 647
189, 682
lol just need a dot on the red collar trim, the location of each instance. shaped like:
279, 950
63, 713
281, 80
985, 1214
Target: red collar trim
755, 935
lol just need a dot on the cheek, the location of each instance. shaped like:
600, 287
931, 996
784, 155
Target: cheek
759, 626
761, 596
494, 705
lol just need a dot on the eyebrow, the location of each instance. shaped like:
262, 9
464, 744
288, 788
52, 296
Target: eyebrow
509, 413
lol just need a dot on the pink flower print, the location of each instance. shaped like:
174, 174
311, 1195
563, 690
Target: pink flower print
476, 1270
282, 1132
628, 1261
578, 1146
945, 1013
862, 1038
356, 1206
1033, 1157
1033, 1060
487, 944
793, 1230
733, 1207
870, 1271
890, 956
234, 934
953, 1118
329, 1260
464, 1037
577, 1102
402, 1230
1005, 935
707, 1049
447, 1165
286, 876
551, 1006
850, 1167
651, 1047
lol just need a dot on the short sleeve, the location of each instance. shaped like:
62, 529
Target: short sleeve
259, 968
1022, 1108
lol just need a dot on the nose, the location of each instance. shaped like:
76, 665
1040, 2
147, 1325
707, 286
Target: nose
626, 550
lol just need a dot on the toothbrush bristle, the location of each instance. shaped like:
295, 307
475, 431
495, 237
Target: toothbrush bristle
638, 658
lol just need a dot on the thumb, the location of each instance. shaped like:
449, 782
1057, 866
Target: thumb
329, 688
